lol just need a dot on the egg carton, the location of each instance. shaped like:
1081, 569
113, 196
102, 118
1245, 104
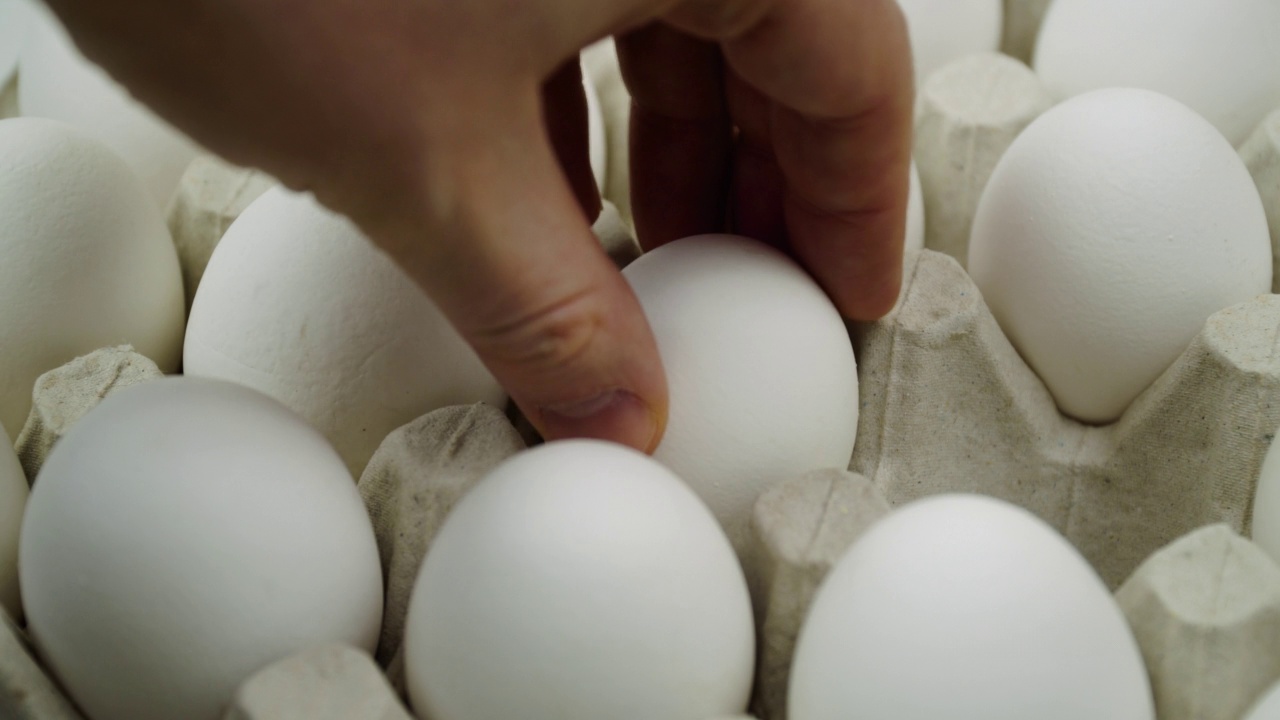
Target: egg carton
949, 405
1206, 610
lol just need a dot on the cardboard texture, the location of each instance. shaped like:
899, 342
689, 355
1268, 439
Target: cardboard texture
416, 476
63, 395
967, 114
1022, 20
799, 530
26, 693
1261, 154
210, 196
1206, 613
949, 406
331, 682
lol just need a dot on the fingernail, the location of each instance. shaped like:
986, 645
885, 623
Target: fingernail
616, 415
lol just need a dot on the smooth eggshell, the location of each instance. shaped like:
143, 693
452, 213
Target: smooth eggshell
1267, 707
762, 378
1218, 57
943, 30
915, 213
1110, 230
966, 608
579, 580
184, 534
88, 261
1266, 504
597, 142
59, 83
298, 304
13, 500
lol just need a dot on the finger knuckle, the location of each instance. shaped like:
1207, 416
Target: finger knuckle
554, 336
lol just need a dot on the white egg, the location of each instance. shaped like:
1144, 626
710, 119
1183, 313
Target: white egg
298, 304
579, 580
1111, 229
59, 83
1266, 504
597, 143
967, 608
184, 534
1219, 57
13, 500
762, 378
943, 30
88, 261
1267, 707
915, 213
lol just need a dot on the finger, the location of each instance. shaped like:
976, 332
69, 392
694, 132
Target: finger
758, 185
839, 74
514, 266
680, 134
564, 103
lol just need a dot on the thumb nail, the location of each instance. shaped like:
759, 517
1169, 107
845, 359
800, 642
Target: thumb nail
616, 415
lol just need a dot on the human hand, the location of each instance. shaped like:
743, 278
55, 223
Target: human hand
454, 134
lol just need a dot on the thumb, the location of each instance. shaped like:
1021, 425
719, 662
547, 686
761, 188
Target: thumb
512, 263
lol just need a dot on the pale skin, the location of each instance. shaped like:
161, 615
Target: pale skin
454, 134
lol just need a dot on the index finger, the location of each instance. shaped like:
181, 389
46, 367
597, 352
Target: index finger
840, 77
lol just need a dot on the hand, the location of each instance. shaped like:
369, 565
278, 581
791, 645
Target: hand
454, 133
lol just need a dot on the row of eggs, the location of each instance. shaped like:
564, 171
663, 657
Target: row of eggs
731, 306
1024, 180
1218, 58
578, 579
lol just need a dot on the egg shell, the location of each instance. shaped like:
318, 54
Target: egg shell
1219, 57
600, 67
1111, 229
1266, 504
943, 30
298, 304
13, 500
968, 608
760, 369
1261, 154
182, 535
210, 196
914, 237
597, 143
967, 115
579, 580
1267, 707
88, 262
59, 83
413, 482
